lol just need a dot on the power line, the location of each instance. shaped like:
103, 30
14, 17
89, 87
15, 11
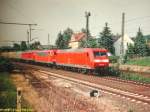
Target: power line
138, 18
16, 23
126, 22
29, 37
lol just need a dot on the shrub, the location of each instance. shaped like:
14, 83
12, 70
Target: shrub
7, 92
113, 59
8, 99
5, 65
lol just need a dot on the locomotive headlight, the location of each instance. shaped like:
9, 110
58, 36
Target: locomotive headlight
105, 60
101, 60
97, 60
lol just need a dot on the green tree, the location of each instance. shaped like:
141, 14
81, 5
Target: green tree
141, 49
106, 40
92, 42
67, 36
130, 51
23, 46
89, 43
6, 48
16, 47
35, 45
62, 41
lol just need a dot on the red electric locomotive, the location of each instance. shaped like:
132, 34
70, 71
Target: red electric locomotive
88, 58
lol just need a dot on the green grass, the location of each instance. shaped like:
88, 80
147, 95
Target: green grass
7, 92
126, 75
5, 65
141, 62
134, 77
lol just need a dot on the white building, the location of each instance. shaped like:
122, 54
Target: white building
117, 44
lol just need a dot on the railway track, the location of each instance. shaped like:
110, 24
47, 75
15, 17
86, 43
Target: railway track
108, 78
92, 82
127, 81
132, 96
41, 81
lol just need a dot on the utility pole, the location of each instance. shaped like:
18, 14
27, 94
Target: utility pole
87, 15
30, 30
122, 37
28, 39
48, 42
30, 25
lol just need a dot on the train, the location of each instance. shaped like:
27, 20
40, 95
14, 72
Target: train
82, 60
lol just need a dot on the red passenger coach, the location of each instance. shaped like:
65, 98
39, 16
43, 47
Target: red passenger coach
28, 55
88, 58
45, 56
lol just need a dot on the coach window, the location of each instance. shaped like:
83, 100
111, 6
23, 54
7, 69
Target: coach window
42, 53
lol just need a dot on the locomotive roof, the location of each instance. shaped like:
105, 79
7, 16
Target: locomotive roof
32, 51
83, 49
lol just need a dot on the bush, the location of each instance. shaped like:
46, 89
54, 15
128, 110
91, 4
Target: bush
5, 65
113, 59
5, 82
8, 99
7, 92
113, 71
134, 77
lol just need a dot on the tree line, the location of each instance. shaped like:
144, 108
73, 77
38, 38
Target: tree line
22, 46
139, 48
106, 40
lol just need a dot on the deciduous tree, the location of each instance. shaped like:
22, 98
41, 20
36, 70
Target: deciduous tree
16, 47
63, 39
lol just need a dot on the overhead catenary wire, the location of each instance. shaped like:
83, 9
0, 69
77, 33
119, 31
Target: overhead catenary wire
129, 21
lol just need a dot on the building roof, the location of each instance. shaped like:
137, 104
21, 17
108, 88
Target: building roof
77, 37
126, 39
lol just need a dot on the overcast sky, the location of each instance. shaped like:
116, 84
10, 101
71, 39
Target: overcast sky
53, 16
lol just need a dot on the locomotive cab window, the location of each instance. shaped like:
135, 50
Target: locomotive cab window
97, 54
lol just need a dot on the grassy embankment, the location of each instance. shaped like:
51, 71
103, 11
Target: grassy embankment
145, 61
7, 88
141, 61
114, 72
7, 91
134, 77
